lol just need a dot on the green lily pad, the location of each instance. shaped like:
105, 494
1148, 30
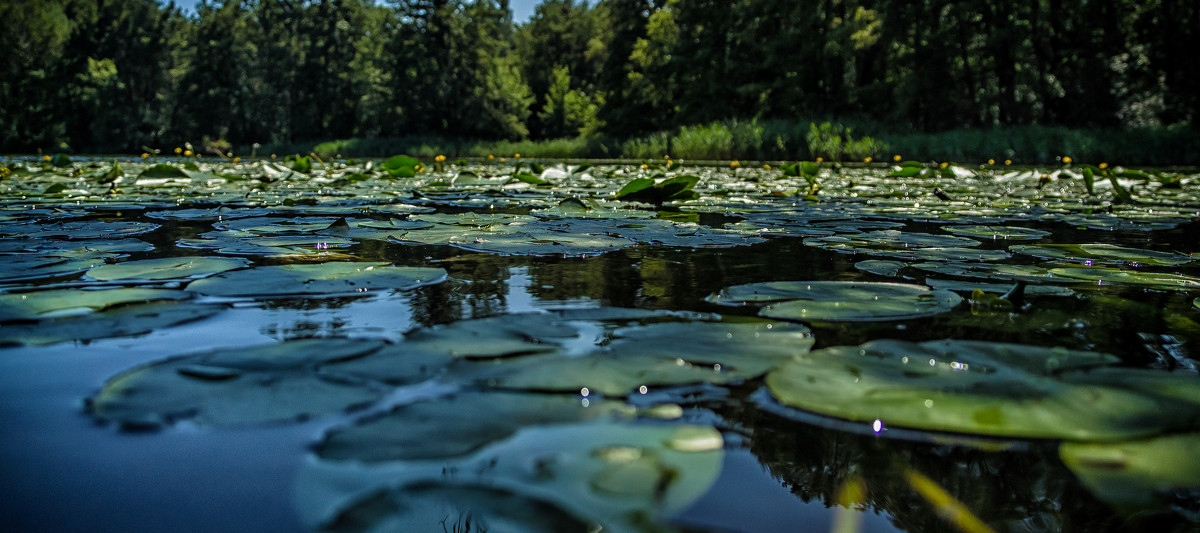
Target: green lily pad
1005, 233
271, 246
577, 350
458, 425
880, 267
320, 279
1101, 253
992, 389
238, 386
123, 321
1105, 276
608, 476
838, 300
22, 267
74, 302
78, 230
994, 271
1139, 474
167, 268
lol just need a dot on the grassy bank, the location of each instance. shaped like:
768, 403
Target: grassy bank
793, 140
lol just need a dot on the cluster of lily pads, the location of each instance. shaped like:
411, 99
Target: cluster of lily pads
534, 425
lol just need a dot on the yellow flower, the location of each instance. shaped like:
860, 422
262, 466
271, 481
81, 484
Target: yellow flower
767, 167
187, 153
670, 163
440, 158
228, 154
944, 164
734, 164
45, 158
820, 159
237, 160
516, 156
867, 159
991, 161
1103, 166
1008, 161
178, 150
272, 156
666, 156
1066, 160
896, 157
644, 167
501, 159
145, 155
491, 157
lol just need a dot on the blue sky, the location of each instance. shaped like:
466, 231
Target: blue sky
522, 9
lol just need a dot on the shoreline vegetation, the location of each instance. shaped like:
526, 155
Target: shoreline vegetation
1027, 82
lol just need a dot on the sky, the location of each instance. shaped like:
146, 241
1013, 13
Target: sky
522, 9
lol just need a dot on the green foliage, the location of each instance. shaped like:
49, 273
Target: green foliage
401, 166
649, 191
1102, 82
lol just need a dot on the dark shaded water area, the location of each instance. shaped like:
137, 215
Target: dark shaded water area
68, 468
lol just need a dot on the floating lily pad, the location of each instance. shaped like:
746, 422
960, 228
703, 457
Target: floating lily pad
1104, 276
880, 267
1137, 474
573, 351
995, 271
458, 425
271, 246
258, 384
838, 300
319, 279
123, 321
1101, 253
980, 388
167, 268
73, 302
20, 267
608, 476
997, 288
1007, 233
78, 230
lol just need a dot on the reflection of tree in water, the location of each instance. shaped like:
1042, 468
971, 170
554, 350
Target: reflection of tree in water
1022, 488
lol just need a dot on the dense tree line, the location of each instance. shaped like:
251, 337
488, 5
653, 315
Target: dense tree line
116, 75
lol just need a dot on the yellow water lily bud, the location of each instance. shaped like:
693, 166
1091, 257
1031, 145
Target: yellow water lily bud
178, 150
944, 165
145, 155
734, 164
237, 160
491, 157
45, 158
820, 159
440, 158
1066, 160
867, 159
1008, 161
897, 158
187, 153
991, 161
1103, 166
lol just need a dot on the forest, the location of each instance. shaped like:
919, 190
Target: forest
617, 77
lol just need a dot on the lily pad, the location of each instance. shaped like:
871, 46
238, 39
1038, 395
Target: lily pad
167, 268
1136, 474
122, 321
458, 425
609, 476
1102, 253
331, 278
1005, 233
21, 267
1104, 276
572, 351
992, 389
838, 300
239, 386
74, 302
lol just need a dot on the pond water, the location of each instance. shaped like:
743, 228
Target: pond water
244, 347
